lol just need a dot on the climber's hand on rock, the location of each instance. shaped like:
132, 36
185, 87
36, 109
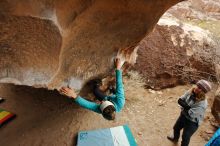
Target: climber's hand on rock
68, 92
118, 63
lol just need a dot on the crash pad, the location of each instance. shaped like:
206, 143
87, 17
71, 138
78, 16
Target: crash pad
115, 136
5, 116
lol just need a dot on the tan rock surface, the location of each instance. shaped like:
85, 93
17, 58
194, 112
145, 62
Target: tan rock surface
216, 106
92, 33
29, 50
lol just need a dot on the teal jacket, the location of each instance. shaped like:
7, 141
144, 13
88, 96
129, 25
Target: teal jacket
117, 99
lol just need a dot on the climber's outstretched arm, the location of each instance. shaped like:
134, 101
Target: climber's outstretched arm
79, 100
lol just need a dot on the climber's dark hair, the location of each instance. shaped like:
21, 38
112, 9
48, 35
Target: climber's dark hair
109, 112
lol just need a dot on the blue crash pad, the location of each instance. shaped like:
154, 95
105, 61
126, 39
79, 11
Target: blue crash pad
116, 136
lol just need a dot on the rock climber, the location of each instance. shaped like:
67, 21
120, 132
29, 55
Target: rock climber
109, 105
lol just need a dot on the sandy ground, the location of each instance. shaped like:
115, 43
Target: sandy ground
45, 118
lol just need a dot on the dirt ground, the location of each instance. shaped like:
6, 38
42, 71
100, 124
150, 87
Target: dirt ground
45, 118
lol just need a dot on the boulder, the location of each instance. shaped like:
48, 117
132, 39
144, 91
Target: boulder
216, 106
176, 53
52, 43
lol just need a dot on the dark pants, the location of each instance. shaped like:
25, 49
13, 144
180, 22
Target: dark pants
188, 127
98, 93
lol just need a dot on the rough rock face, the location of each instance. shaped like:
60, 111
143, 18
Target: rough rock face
216, 106
91, 33
29, 49
197, 9
175, 53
